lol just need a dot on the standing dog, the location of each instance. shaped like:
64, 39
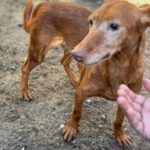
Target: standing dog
52, 23
114, 49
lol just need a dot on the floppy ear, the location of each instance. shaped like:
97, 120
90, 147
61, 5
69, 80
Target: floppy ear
145, 15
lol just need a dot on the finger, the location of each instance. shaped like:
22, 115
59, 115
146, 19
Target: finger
123, 104
122, 93
125, 101
128, 92
146, 123
146, 83
136, 106
139, 99
146, 106
133, 117
135, 100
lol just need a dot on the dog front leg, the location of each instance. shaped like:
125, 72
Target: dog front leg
66, 60
72, 125
121, 137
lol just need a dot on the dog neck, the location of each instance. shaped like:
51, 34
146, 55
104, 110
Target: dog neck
125, 67
127, 54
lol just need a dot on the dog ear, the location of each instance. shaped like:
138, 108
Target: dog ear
145, 15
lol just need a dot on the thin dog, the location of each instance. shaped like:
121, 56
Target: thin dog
51, 24
112, 53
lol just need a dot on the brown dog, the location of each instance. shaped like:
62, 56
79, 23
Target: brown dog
115, 44
51, 24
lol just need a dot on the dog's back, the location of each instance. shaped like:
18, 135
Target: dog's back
58, 19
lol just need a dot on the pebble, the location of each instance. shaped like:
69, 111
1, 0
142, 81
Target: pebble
23, 148
88, 100
13, 67
19, 25
62, 126
103, 116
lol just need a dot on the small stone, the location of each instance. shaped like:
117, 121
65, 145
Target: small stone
13, 68
74, 142
103, 116
20, 138
23, 148
19, 25
41, 127
62, 126
57, 138
88, 100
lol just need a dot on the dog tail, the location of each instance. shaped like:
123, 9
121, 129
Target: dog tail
27, 15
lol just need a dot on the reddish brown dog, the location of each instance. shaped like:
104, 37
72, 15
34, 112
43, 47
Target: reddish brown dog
115, 42
114, 49
51, 24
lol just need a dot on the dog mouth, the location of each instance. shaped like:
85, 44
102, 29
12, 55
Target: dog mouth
105, 57
102, 59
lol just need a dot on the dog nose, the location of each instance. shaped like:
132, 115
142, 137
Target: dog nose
78, 56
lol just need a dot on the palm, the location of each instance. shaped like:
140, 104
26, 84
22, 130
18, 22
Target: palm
136, 108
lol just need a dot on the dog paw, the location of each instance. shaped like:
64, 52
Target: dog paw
69, 132
26, 95
124, 139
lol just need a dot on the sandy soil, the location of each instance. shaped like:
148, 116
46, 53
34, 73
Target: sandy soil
36, 125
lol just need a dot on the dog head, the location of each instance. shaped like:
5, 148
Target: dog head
116, 25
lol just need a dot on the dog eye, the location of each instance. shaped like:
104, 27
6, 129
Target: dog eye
114, 26
90, 22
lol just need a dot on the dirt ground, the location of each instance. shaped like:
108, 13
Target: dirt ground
36, 125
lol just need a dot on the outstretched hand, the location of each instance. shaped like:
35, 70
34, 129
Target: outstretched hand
136, 108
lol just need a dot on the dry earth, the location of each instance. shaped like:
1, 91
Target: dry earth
36, 125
